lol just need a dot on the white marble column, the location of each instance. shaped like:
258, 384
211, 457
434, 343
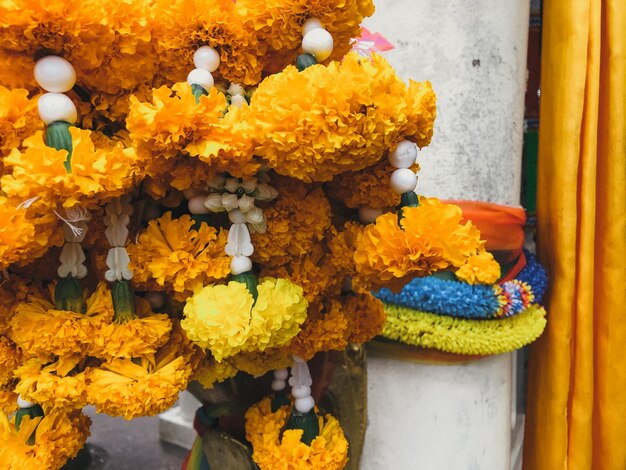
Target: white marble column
457, 417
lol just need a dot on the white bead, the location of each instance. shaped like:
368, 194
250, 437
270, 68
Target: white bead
403, 181
281, 374
55, 74
301, 391
196, 205
24, 403
278, 385
56, 107
236, 217
206, 58
156, 299
201, 77
304, 405
368, 214
319, 43
310, 25
240, 264
404, 155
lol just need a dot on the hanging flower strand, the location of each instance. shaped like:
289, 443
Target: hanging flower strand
57, 76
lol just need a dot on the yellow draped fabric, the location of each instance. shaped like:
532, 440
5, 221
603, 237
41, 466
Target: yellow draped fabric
576, 415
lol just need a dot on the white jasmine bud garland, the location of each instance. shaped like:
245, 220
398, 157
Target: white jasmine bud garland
213, 203
301, 382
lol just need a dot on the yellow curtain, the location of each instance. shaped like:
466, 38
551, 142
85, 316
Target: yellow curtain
576, 414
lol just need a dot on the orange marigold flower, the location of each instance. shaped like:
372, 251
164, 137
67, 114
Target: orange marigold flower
295, 223
429, 238
480, 268
22, 238
97, 174
344, 117
18, 119
171, 255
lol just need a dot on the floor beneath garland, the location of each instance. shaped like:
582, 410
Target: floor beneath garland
117, 444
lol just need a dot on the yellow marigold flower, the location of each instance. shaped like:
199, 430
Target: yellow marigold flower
343, 118
463, 336
18, 119
366, 315
211, 372
279, 25
261, 362
137, 337
24, 236
125, 387
61, 385
58, 437
368, 187
429, 238
225, 319
480, 268
10, 358
275, 451
172, 255
42, 331
185, 25
295, 223
76, 30
8, 401
97, 175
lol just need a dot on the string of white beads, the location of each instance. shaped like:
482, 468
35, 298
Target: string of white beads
301, 382
207, 60
280, 380
316, 40
117, 218
403, 179
56, 76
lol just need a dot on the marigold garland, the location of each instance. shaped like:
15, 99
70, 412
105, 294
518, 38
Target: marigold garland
137, 337
98, 174
58, 437
144, 386
10, 358
463, 336
271, 451
42, 331
332, 127
61, 384
429, 238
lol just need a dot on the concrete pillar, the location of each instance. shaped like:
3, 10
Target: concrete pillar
439, 417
